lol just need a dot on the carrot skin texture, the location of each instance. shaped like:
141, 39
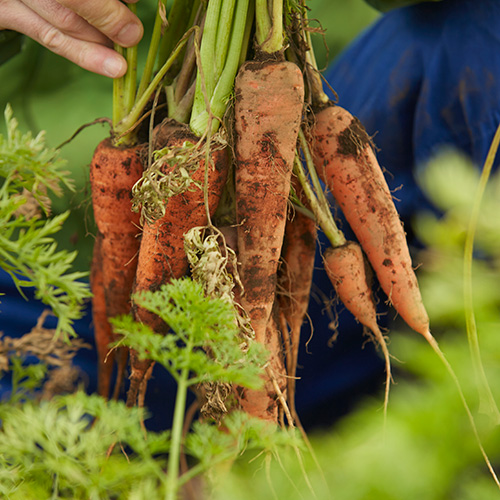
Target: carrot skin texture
103, 333
346, 162
162, 256
350, 276
345, 266
263, 403
113, 172
294, 282
266, 133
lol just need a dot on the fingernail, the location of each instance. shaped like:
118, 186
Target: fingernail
114, 67
130, 35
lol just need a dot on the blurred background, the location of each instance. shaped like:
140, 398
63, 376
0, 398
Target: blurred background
49, 93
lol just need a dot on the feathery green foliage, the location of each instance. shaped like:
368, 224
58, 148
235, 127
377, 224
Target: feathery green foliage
29, 171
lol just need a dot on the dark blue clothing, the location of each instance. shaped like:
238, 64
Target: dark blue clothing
420, 78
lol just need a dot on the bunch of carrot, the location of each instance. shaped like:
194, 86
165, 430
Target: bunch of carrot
230, 137
253, 171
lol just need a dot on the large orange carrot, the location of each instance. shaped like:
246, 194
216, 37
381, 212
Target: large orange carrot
162, 256
345, 161
113, 172
268, 111
349, 274
294, 284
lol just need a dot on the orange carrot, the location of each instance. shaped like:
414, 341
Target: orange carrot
266, 133
294, 281
113, 172
103, 333
263, 403
345, 161
162, 256
349, 274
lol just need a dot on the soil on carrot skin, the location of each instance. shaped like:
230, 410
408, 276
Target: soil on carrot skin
353, 139
172, 132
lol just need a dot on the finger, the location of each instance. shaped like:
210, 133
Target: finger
89, 55
111, 17
66, 20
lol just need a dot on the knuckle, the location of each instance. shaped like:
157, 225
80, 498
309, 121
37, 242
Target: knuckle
108, 22
51, 38
67, 19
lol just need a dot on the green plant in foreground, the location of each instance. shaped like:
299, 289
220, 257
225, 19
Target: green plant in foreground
81, 446
205, 348
29, 172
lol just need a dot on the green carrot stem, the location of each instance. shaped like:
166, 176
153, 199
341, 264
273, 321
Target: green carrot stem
487, 402
224, 87
181, 13
322, 201
247, 33
223, 35
183, 108
128, 122
175, 446
153, 49
323, 217
204, 90
262, 21
171, 104
131, 75
315, 83
130, 78
118, 93
274, 42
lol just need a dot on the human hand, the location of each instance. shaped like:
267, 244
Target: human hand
82, 31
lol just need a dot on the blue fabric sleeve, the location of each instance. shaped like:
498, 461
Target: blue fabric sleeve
421, 78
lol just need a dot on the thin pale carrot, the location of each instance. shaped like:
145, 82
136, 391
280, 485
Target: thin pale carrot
349, 274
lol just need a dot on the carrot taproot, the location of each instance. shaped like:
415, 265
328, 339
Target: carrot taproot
345, 161
103, 333
161, 255
263, 403
294, 285
349, 274
266, 132
113, 172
